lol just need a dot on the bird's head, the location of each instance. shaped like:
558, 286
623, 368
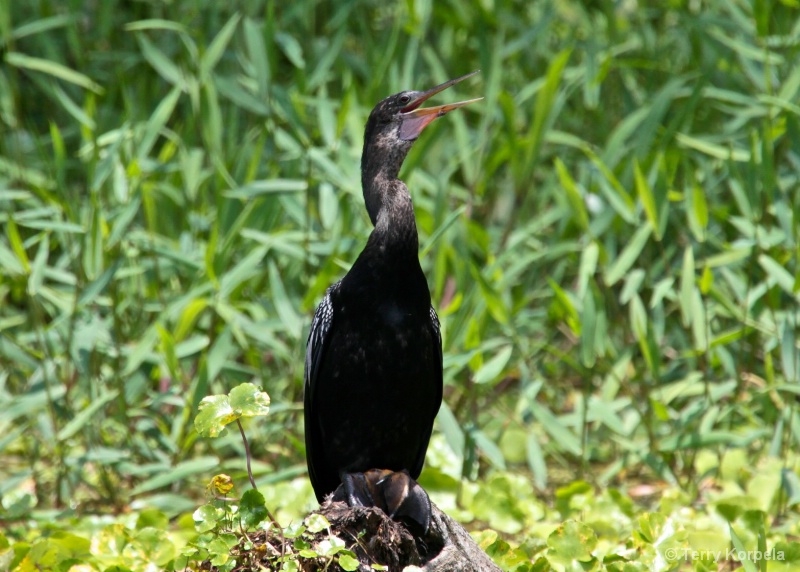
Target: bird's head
400, 118
392, 127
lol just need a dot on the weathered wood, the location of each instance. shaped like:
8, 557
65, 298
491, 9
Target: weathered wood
377, 539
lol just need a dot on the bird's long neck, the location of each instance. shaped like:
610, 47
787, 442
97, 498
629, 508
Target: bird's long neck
387, 198
395, 228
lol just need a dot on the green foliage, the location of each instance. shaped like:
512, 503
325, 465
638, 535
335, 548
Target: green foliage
588, 529
611, 239
217, 411
111, 547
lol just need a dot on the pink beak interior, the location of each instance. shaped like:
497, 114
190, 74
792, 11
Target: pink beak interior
415, 119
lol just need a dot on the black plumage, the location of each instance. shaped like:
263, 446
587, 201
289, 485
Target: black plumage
373, 370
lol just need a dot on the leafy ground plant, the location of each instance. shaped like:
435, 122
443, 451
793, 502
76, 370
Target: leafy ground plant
242, 534
611, 239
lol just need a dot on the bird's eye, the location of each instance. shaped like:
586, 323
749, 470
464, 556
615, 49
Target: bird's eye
404, 99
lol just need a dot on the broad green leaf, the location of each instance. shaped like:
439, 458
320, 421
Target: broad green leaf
169, 352
87, 415
330, 546
291, 48
777, 273
155, 24
189, 317
207, 517
316, 522
453, 432
491, 297
687, 286
573, 194
706, 281
283, 304
588, 267
713, 149
629, 255
696, 211
99, 285
645, 193
269, 186
348, 563
489, 449
221, 350
633, 283
437, 234
249, 401
745, 49
536, 461
512, 444
252, 508
565, 306
493, 367
177, 473
556, 429
216, 48
155, 546
53, 226
246, 269
572, 541
254, 40
215, 413
155, 124
52, 68
16, 244
164, 65
616, 194
588, 330
699, 325
42, 25
638, 317
94, 245
72, 108
790, 357
328, 206
785, 556
39, 263
747, 564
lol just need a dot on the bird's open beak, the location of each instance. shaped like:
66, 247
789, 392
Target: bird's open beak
415, 119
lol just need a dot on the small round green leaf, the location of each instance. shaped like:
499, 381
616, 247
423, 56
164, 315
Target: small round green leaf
348, 563
252, 508
206, 518
316, 523
215, 414
247, 400
572, 541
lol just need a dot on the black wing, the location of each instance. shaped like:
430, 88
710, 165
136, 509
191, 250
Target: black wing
318, 338
437, 331
437, 335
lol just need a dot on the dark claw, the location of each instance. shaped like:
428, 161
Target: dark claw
357, 490
395, 493
406, 500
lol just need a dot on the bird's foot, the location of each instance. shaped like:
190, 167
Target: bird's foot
394, 492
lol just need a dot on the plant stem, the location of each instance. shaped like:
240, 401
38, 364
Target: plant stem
253, 482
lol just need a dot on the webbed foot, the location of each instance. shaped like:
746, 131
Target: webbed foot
394, 492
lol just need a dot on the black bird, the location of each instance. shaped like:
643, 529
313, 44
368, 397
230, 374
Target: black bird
373, 370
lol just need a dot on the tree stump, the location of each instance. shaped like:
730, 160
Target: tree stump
369, 534
377, 539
